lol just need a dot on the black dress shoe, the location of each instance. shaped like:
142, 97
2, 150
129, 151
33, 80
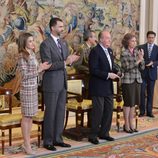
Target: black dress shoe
62, 145
150, 115
50, 147
108, 138
93, 141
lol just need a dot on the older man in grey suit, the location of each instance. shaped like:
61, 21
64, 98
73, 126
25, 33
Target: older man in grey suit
55, 51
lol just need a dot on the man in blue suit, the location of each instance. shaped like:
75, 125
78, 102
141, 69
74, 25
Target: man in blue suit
149, 74
101, 88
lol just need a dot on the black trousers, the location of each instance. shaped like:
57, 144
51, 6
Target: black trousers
101, 116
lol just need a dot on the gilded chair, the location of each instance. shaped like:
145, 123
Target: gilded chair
77, 104
7, 119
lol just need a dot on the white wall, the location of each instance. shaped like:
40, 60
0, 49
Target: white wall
148, 19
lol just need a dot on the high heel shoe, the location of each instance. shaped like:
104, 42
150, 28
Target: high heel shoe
127, 131
134, 130
27, 151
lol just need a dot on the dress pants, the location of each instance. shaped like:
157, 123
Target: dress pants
101, 119
147, 105
54, 117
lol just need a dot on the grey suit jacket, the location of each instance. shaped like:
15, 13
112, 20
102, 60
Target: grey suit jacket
54, 79
130, 68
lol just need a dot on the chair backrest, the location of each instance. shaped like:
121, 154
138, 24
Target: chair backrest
75, 86
5, 100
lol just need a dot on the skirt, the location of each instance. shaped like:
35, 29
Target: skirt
131, 94
29, 100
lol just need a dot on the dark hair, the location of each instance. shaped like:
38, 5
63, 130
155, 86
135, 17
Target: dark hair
150, 32
126, 39
53, 21
87, 34
22, 44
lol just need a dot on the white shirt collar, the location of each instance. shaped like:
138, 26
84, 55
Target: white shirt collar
88, 45
105, 49
55, 38
152, 44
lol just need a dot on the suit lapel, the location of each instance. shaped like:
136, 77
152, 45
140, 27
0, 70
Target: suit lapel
63, 48
104, 55
152, 52
55, 47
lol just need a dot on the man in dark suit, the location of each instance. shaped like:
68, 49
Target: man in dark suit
101, 88
149, 74
55, 51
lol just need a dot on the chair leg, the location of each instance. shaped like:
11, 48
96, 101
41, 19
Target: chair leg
42, 130
3, 141
79, 118
10, 137
118, 118
39, 135
82, 118
66, 119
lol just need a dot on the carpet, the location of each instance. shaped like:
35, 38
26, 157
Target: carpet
144, 124
140, 145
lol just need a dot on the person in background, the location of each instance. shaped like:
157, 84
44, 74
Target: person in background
101, 88
54, 50
132, 62
82, 65
149, 74
29, 69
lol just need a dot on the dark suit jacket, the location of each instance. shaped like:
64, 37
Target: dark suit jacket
54, 79
99, 68
150, 72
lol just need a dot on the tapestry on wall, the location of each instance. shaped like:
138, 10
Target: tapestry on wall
117, 16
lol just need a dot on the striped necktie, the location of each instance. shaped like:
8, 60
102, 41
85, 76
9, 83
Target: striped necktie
149, 50
59, 45
60, 48
108, 56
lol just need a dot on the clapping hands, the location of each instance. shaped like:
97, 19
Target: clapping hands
71, 59
44, 66
141, 54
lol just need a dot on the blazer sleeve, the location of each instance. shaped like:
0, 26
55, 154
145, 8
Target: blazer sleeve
94, 67
27, 70
46, 55
155, 62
